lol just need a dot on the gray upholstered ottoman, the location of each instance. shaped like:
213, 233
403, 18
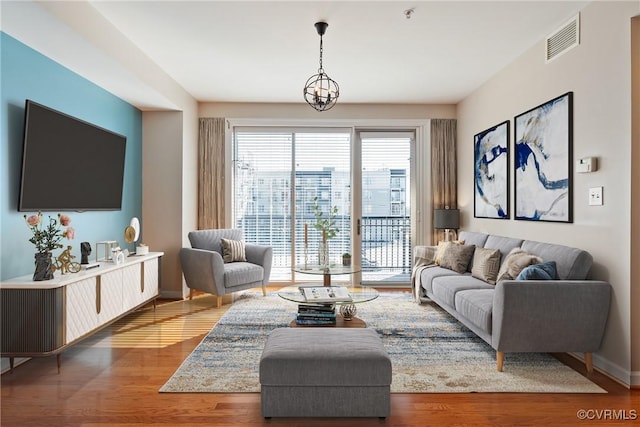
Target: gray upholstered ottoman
325, 372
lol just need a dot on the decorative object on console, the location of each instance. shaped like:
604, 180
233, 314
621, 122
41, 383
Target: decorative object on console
142, 249
447, 219
543, 161
107, 247
320, 91
117, 256
491, 172
64, 262
44, 266
46, 239
132, 232
85, 251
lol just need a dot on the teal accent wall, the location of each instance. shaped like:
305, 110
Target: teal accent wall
27, 74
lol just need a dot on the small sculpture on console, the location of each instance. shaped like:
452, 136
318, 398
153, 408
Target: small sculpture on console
85, 251
64, 262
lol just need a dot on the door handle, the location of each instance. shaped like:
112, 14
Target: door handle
358, 226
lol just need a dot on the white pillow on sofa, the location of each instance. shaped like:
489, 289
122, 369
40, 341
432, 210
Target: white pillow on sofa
515, 262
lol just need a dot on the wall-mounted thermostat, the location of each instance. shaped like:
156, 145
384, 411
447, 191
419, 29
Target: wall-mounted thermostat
587, 164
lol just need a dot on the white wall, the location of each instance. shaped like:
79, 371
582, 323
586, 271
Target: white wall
635, 201
598, 72
169, 189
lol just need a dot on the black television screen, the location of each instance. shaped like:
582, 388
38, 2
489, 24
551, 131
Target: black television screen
69, 164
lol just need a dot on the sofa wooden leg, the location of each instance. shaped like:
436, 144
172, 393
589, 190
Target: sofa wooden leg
500, 360
264, 291
218, 301
588, 361
190, 294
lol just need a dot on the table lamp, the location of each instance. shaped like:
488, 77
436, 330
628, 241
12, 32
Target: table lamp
447, 219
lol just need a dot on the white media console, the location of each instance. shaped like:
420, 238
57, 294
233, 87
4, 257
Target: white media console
44, 318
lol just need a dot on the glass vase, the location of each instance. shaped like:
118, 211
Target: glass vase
323, 254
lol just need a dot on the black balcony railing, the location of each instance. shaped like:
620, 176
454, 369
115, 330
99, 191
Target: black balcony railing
386, 244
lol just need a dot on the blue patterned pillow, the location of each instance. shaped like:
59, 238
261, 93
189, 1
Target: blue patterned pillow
543, 271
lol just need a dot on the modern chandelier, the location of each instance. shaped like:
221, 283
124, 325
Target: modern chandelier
320, 91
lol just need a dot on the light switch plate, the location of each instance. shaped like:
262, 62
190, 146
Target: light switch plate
595, 196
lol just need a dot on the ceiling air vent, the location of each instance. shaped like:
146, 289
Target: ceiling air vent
563, 39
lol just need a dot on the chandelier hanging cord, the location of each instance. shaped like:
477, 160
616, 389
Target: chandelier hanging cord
320, 70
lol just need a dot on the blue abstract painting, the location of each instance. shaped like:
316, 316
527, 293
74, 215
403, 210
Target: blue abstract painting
542, 161
491, 172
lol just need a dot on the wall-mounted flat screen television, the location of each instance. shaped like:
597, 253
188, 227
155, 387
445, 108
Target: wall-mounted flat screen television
69, 164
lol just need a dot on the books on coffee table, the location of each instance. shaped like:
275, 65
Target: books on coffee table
325, 294
316, 314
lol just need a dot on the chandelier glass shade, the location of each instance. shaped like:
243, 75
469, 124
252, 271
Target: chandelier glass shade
320, 91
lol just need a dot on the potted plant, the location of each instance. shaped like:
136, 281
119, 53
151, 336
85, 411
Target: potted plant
346, 259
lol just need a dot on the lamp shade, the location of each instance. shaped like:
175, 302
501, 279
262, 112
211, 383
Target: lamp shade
446, 218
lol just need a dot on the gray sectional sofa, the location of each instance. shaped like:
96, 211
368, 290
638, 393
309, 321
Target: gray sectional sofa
568, 314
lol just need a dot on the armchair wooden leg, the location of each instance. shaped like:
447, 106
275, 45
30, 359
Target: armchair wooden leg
190, 294
264, 291
500, 360
218, 301
588, 361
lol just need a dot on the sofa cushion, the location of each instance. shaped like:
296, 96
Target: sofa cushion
233, 250
241, 273
428, 274
476, 305
486, 264
473, 238
446, 287
210, 239
504, 244
442, 247
457, 257
515, 262
571, 263
542, 271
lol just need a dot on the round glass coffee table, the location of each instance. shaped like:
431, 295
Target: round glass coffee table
346, 318
326, 272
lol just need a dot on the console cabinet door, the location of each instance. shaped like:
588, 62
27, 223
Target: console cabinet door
110, 296
150, 279
131, 293
81, 309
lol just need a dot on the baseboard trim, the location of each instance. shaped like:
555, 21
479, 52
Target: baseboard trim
635, 379
610, 370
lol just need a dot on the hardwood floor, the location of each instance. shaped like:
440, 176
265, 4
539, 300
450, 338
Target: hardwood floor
112, 379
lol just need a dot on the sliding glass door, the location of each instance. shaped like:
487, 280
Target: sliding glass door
384, 222
280, 177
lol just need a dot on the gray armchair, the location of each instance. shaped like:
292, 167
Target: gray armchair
205, 270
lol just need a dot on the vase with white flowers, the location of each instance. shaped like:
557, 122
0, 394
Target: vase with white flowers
46, 238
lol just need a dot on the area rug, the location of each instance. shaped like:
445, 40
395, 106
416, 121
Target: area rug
430, 352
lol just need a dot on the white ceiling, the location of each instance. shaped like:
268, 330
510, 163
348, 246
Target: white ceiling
263, 51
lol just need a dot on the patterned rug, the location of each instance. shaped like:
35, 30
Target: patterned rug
430, 352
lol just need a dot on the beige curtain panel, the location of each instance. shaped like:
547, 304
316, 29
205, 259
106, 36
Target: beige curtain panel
443, 169
211, 139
